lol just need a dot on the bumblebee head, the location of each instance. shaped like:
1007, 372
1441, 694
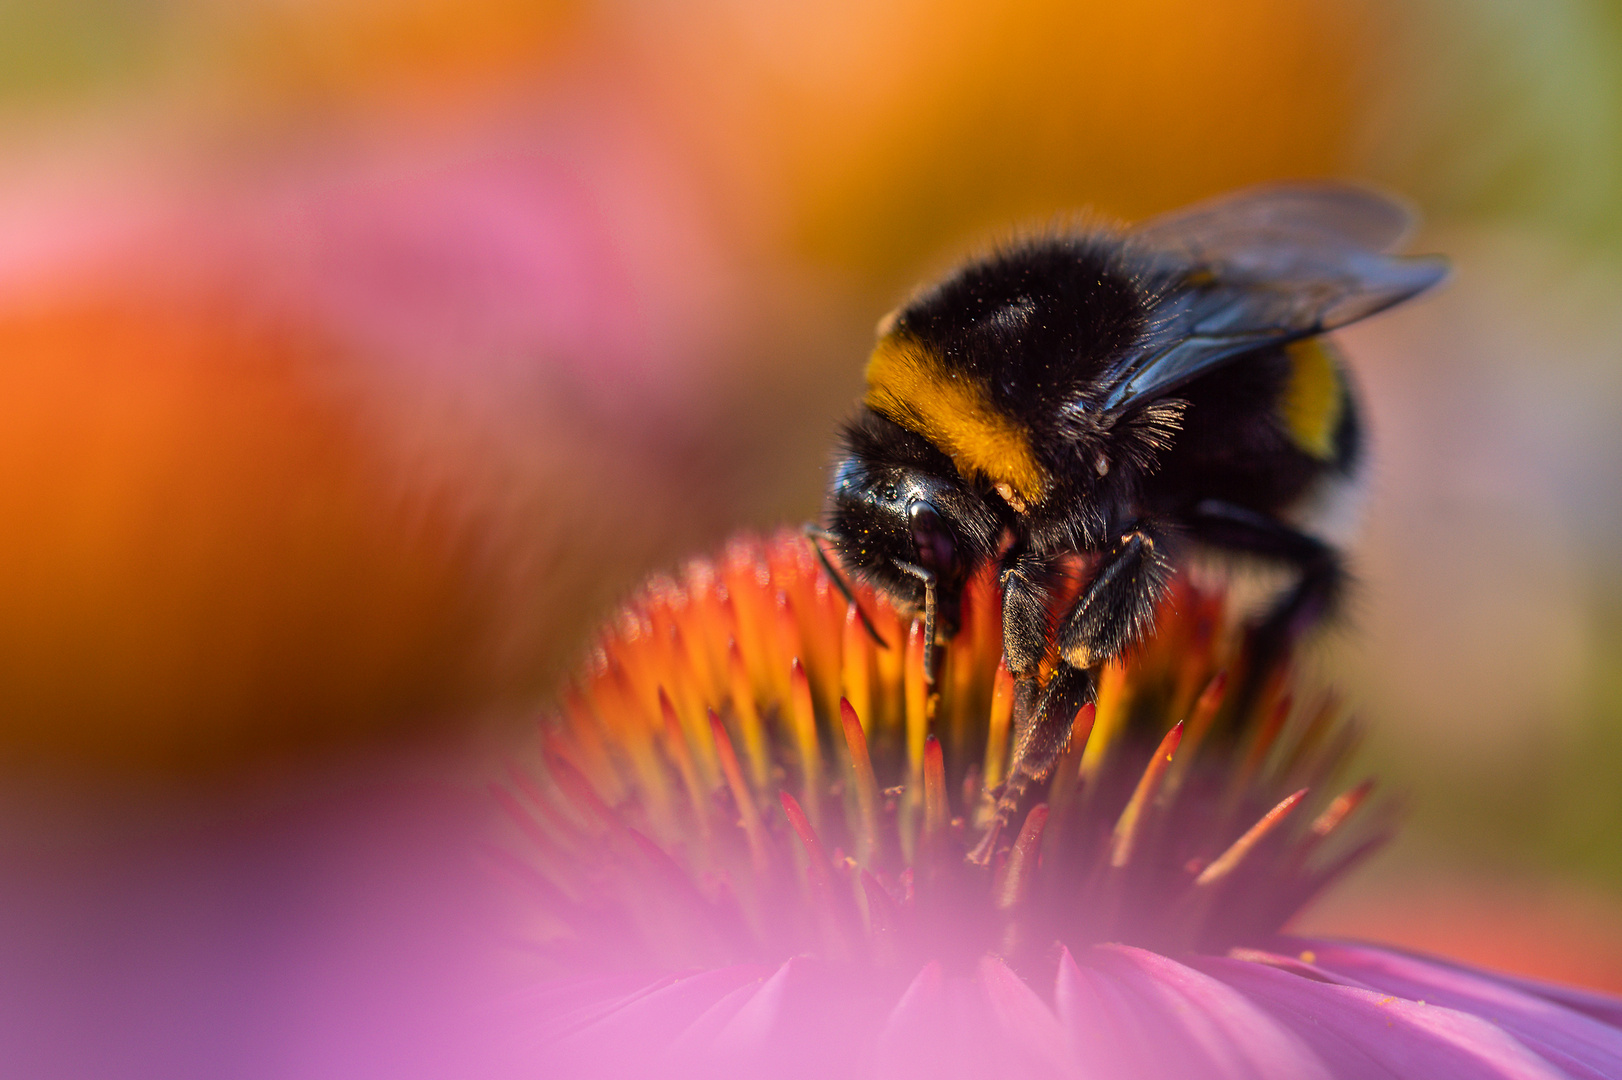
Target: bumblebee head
896, 501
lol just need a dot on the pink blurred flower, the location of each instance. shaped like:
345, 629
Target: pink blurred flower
315, 448
729, 886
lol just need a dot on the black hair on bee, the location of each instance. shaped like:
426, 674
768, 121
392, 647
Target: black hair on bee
1118, 395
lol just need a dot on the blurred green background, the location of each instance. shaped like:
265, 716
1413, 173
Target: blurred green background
354, 356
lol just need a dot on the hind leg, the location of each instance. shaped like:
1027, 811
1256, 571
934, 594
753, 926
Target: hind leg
1314, 597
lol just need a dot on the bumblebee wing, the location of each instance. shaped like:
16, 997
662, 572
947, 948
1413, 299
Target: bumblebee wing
1293, 214
1261, 268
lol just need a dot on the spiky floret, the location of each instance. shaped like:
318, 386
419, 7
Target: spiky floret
739, 774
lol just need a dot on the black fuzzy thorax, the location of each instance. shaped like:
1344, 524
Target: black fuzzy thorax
1040, 325
1036, 324
1118, 399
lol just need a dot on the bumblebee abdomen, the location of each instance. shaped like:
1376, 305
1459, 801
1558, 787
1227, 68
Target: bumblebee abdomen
1315, 400
1264, 432
1321, 411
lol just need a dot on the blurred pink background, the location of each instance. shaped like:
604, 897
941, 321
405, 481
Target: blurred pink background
354, 357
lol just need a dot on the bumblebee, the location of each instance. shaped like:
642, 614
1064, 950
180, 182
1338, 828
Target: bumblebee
1123, 396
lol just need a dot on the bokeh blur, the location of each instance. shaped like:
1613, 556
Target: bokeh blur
356, 354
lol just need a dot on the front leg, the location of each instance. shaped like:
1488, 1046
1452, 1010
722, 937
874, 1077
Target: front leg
1027, 581
1045, 732
1115, 611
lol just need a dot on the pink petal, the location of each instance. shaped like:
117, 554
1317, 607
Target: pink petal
1033, 1036
1136, 1013
1607, 1008
930, 1033
554, 1010
1551, 1028
992, 1026
808, 1019
629, 1037
759, 1013
756, 1000
1108, 1032
1362, 1033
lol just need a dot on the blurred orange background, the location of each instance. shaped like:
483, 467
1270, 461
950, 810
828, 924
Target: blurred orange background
355, 355
310, 304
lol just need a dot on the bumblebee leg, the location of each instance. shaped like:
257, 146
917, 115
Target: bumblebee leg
1042, 715
1027, 613
1027, 610
1114, 612
1315, 596
1027, 605
1117, 609
1040, 740
930, 607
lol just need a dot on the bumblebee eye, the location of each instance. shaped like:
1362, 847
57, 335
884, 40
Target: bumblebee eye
930, 536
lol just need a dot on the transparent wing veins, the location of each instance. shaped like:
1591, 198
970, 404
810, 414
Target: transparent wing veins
1263, 267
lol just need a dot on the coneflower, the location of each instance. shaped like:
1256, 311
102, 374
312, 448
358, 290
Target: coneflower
761, 847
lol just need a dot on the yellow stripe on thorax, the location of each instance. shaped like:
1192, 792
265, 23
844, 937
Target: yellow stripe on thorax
912, 387
1313, 398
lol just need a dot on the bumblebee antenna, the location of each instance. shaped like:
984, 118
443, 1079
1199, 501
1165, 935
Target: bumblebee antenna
814, 533
928, 578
